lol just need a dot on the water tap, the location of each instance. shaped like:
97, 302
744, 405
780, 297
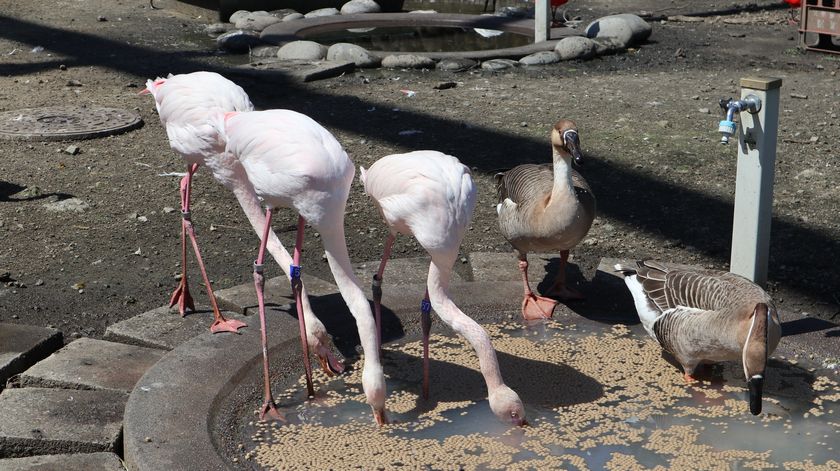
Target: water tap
727, 126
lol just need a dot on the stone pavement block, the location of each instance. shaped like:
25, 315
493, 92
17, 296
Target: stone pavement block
21, 346
92, 364
74, 462
398, 271
37, 421
165, 329
278, 294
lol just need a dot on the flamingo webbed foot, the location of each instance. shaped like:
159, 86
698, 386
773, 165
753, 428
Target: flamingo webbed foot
226, 325
181, 296
270, 411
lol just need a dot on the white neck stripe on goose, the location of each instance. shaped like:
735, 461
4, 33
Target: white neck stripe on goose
746, 344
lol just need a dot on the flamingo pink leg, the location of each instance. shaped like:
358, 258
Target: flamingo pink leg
559, 289
533, 306
376, 288
268, 406
297, 286
426, 326
220, 324
181, 296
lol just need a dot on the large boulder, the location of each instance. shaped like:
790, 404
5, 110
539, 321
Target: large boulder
360, 6
459, 64
256, 21
499, 64
237, 15
575, 47
627, 28
540, 58
238, 42
408, 61
322, 12
302, 50
293, 16
352, 53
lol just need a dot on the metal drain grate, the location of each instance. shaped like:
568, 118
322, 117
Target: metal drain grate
66, 123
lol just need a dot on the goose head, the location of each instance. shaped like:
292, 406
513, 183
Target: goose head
565, 140
755, 353
507, 406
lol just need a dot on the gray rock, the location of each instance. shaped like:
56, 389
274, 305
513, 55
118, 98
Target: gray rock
575, 47
627, 28
456, 65
302, 50
74, 205
257, 21
408, 61
353, 53
216, 29
293, 16
540, 58
238, 41
237, 15
322, 12
607, 45
499, 64
360, 6
282, 13
516, 12
264, 52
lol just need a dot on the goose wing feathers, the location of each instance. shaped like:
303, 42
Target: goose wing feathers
525, 183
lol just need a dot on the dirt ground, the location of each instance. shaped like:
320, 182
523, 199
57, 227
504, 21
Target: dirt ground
647, 119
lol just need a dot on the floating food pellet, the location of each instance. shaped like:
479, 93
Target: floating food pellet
601, 397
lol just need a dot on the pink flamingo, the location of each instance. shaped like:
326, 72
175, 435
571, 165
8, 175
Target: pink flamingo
293, 162
431, 195
184, 102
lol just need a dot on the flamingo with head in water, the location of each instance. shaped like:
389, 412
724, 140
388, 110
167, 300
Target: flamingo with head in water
291, 161
431, 195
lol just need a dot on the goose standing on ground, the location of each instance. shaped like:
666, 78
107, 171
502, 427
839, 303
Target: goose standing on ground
431, 195
184, 103
546, 208
706, 316
293, 162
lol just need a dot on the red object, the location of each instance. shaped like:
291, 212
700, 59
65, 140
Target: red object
792, 3
557, 3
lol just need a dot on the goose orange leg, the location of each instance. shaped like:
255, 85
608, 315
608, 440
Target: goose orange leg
533, 306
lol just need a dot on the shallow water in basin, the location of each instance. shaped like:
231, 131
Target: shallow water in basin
597, 397
423, 39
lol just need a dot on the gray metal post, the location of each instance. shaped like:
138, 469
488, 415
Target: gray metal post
754, 181
542, 20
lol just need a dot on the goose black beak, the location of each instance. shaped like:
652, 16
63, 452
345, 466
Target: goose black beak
572, 141
755, 385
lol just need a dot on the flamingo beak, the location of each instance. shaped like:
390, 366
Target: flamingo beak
380, 417
144, 91
331, 365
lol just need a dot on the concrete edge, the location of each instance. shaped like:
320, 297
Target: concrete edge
43, 349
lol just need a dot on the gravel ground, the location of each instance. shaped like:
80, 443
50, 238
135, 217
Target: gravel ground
647, 119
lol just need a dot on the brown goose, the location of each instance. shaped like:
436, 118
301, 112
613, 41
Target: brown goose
704, 316
546, 209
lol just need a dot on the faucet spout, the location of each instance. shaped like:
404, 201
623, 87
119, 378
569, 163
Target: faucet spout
727, 126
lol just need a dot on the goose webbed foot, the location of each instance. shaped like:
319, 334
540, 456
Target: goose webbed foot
537, 307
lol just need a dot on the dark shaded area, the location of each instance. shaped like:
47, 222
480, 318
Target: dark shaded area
520, 374
8, 189
806, 325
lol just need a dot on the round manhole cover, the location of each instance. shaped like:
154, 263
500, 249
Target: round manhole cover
66, 123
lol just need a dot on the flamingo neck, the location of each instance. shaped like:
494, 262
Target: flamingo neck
349, 286
440, 275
